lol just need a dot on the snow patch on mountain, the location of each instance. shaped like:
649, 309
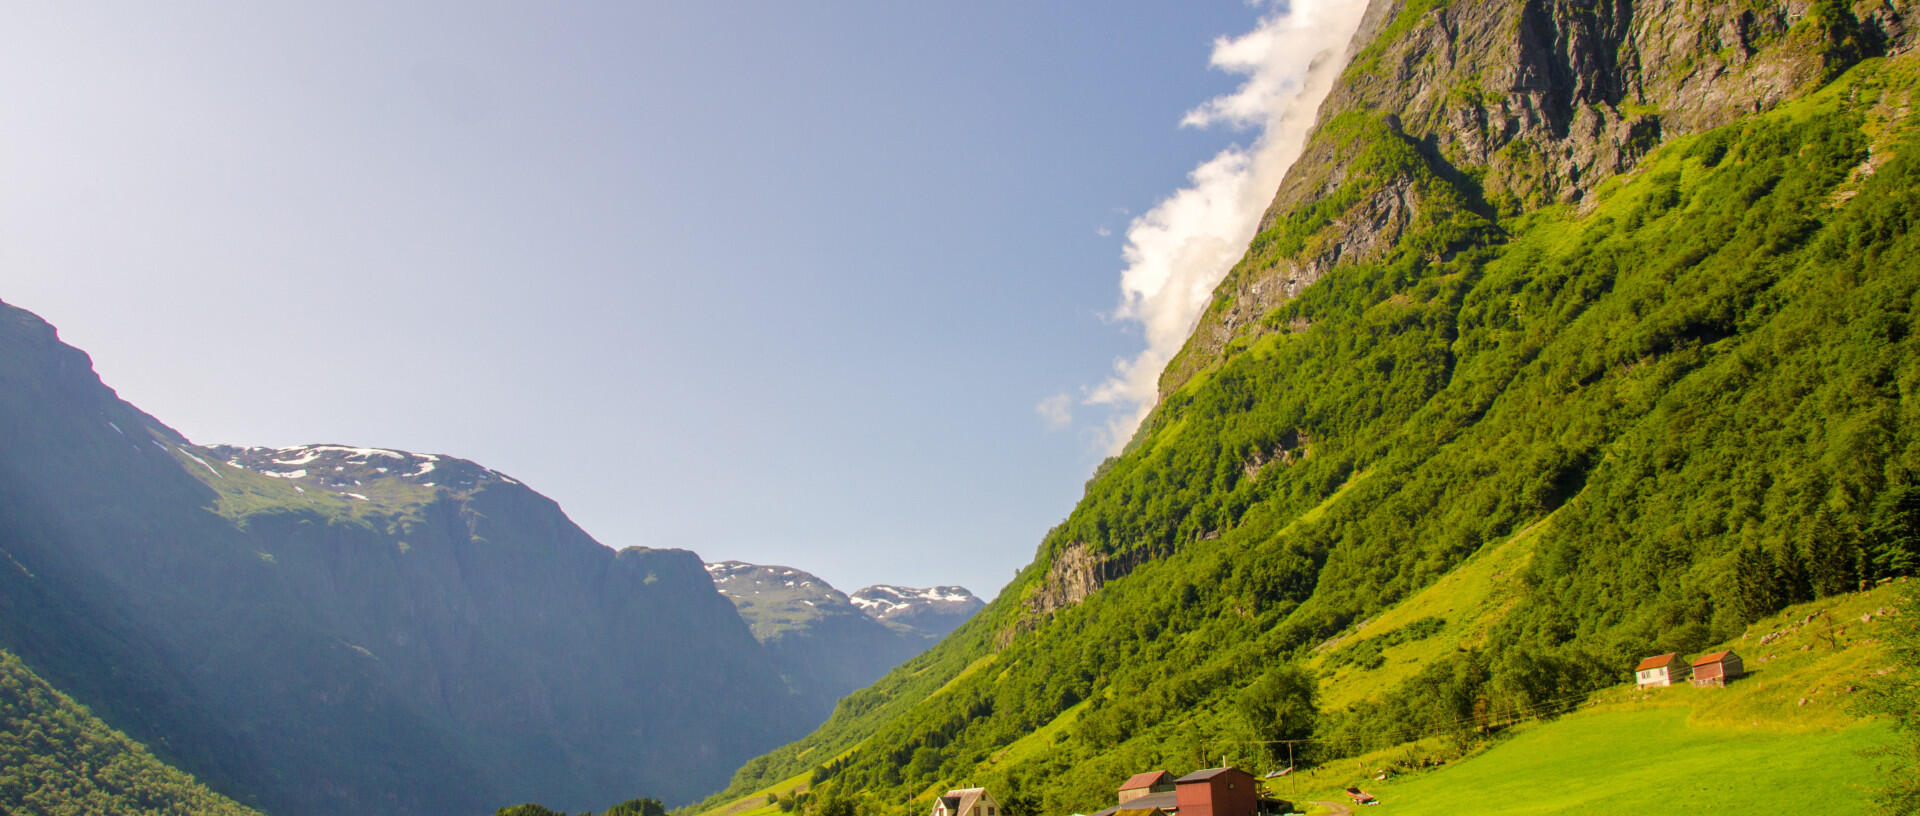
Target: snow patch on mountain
349, 466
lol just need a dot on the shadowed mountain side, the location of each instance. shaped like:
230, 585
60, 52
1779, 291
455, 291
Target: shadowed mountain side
381, 646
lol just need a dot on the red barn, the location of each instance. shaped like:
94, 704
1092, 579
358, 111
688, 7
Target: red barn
1217, 792
1717, 668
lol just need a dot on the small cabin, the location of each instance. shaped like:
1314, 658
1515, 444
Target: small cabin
1660, 670
1217, 792
1145, 784
966, 802
1717, 668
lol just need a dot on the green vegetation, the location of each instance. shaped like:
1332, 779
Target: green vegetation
1367, 60
1896, 695
56, 759
632, 807
1613, 431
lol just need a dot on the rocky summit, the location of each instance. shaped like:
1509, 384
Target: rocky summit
933, 610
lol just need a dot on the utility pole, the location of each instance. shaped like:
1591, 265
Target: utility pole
1291, 769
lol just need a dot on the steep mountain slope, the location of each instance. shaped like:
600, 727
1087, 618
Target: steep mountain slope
57, 758
329, 629
827, 643
1611, 305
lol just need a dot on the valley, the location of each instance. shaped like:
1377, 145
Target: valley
1579, 340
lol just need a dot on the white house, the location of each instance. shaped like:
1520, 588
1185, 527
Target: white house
1661, 670
966, 802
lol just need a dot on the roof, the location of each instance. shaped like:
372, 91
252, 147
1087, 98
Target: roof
1715, 657
1656, 661
1144, 805
1209, 773
960, 799
1145, 779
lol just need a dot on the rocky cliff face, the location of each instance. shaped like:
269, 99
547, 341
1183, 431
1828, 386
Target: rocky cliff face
1521, 103
330, 629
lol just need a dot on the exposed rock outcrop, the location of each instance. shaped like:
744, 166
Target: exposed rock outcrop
1523, 103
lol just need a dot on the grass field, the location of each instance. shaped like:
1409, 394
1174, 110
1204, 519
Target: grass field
1783, 739
1648, 760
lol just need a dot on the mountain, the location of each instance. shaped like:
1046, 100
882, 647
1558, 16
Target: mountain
329, 628
1579, 332
929, 611
826, 643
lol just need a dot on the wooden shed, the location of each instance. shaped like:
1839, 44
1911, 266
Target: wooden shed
1145, 783
1217, 792
1660, 670
1717, 668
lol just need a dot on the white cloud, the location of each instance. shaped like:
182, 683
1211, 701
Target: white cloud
1102, 231
1179, 250
1056, 411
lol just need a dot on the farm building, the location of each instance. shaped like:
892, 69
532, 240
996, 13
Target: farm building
966, 802
1212, 792
1152, 804
1217, 792
1660, 670
1717, 668
1145, 784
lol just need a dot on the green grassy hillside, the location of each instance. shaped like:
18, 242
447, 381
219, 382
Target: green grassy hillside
1788, 737
1484, 472
57, 759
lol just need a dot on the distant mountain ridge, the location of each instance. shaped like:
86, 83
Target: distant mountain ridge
828, 643
937, 610
332, 628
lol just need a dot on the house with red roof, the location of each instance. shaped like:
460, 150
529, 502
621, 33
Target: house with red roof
1210, 792
1660, 670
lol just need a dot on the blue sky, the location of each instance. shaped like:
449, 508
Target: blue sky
778, 282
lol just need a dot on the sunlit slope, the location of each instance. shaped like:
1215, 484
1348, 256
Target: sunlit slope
57, 758
1783, 739
1486, 470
